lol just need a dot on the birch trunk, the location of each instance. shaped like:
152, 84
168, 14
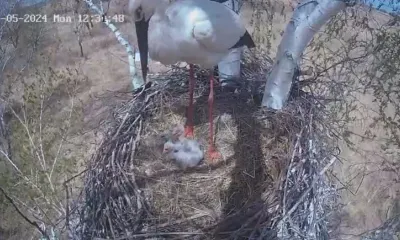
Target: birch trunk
308, 17
137, 81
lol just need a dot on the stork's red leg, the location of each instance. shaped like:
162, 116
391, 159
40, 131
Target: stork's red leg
189, 123
213, 154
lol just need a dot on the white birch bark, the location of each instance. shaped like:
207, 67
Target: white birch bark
308, 17
137, 80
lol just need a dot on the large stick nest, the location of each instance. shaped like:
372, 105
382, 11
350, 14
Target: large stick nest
270, 185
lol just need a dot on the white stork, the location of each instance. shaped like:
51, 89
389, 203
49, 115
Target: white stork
194, 31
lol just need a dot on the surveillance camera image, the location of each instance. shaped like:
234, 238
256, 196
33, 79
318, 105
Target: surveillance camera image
200, 119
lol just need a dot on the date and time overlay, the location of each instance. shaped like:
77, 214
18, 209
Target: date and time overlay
81, 18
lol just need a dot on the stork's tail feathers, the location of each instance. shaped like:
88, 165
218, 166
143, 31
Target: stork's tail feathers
245, 40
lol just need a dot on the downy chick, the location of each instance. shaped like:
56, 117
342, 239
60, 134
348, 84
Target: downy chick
185, 152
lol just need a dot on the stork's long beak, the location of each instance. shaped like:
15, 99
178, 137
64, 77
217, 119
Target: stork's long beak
142, 33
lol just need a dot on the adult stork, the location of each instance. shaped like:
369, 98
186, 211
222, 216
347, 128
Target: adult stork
194, 31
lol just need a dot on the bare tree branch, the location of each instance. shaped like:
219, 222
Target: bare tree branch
34, 224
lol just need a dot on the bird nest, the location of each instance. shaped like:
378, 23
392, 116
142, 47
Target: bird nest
271, 183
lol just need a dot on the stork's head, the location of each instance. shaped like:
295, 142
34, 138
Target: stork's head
169, 147
143, 9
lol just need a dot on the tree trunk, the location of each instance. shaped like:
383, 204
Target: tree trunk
308, 17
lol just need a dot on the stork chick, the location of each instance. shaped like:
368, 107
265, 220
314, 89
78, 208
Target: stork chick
185, 152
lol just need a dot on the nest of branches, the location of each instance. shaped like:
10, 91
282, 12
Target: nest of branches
271, 183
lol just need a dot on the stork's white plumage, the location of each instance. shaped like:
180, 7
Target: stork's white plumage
194, 31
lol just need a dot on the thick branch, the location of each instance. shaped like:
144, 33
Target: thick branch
308, 17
